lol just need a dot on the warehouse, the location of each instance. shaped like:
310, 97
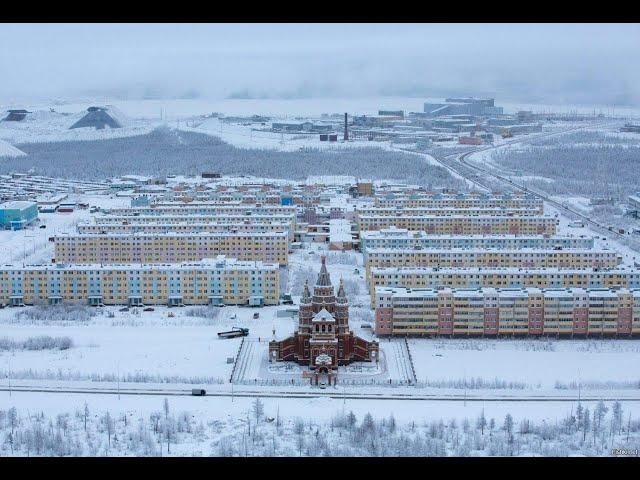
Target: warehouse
16, 215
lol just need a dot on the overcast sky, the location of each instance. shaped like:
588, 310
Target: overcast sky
574, 64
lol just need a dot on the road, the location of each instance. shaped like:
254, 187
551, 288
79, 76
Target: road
340, 394
462, 159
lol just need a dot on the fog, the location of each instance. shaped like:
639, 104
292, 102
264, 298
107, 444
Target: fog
570, 64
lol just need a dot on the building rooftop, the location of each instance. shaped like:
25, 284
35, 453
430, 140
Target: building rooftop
16, 205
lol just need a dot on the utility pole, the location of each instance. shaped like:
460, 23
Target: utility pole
118, 379
9, 375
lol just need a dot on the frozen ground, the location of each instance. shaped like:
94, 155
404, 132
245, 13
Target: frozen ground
32, 246
154, 344
533, 364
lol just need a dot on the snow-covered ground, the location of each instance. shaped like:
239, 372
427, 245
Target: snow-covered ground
533, 364
31, 245
8, 150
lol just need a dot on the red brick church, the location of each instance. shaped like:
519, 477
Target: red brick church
323, 340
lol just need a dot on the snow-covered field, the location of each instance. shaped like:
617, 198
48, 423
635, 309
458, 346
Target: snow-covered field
532, 364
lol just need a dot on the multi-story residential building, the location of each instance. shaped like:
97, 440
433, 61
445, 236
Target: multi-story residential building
459, 200
424, 277
203, 208
289, 219
464, 258
462, 225
401, 238
186, 227
217, 281
272, 247
447, 212
491, 311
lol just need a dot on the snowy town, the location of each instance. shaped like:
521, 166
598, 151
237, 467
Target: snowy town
453, 275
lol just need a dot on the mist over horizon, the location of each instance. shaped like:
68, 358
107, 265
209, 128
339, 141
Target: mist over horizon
534, 63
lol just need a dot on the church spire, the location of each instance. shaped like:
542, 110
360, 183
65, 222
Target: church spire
342, 297
306, 294
323, 277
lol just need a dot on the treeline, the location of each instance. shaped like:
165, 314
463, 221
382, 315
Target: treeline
166, 151
582, 163
64, 312
595, 431
42, 342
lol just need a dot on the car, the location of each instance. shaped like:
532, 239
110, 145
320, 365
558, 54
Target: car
42, 226
198, 392
256, 315
148, 309
124, 309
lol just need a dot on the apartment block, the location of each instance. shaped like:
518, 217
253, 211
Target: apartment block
272, 247
401, 238
459, 200
491, 312
425, 277
465, 258
186, 227
289, 219
462, 225
447, 212
215, 282
202, 208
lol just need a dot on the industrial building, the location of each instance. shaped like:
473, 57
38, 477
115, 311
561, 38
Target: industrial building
463, 106
217, 281
16, 215
523, 311
272, 247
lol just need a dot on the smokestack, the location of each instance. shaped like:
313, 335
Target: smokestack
346, 129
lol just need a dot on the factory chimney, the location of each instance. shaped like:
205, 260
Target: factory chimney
346, 129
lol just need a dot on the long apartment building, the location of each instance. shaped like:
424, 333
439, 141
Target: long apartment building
448, 212
462, 225
216, 282
465, 258
258, 218
186, 227
426, 277
401, 238
491, 312
460, 201
204, 208
156, 248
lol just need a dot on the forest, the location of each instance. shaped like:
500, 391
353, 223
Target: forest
588, 163
596, 429
166, 151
